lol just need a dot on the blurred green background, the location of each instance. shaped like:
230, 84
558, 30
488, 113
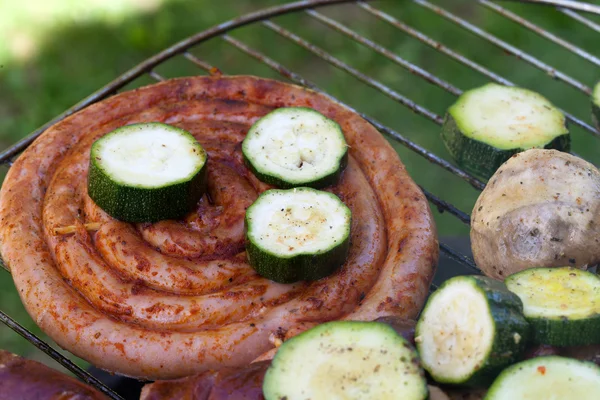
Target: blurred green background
53, 53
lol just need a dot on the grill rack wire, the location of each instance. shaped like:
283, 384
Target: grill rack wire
570, 8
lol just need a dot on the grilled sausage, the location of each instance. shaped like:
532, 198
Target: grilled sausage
175, 298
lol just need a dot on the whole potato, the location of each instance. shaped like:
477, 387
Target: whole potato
540, 209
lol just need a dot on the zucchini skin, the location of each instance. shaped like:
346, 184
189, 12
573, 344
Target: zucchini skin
507, 312
327, 180
566, 332
482, 159
297, 268
506, 309
154, 204
281, 182
559, 331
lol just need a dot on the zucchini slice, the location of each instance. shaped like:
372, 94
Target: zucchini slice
562, 305
147, 172
296, 146
346, 360
297, 234
470, 329
489, 124
549, 377
596, 106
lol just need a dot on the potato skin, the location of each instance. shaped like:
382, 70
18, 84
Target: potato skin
540, 209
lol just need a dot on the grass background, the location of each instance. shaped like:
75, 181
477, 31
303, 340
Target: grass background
53, 53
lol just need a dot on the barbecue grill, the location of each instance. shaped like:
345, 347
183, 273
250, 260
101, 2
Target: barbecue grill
454, 261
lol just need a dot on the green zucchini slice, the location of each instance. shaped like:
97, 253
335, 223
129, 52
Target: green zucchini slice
596, 106
470, 329
549, 377
562, 305
346, 360
147, 172
296, 146
297, 234
489, 124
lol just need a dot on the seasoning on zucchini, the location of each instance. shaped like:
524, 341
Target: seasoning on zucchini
470, 329
562, 305
550, 377
489, 124
596, 106
346, 360
147, 172
297, 234
296, 146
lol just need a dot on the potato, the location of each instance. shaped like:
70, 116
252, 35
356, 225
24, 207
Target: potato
540, 209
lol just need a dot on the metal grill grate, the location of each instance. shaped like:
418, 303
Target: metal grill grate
182, 51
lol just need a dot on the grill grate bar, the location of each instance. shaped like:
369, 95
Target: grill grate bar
416, 70
458, 257
543, 33
553, 72
460, 58
62, 360
156, 76
357, 74
182, 48
443, 205
579, 18
199, 63
433, 43
476, 183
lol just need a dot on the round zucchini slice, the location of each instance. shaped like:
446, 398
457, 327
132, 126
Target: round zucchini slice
346, 360
489, 124
296, 146
147, 172
596, 106
562, 305
549, 377
297, 234
470, 329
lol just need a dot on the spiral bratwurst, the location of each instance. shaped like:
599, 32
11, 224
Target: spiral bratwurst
173, 298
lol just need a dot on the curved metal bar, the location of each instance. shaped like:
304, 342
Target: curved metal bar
571, 4
164, 55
